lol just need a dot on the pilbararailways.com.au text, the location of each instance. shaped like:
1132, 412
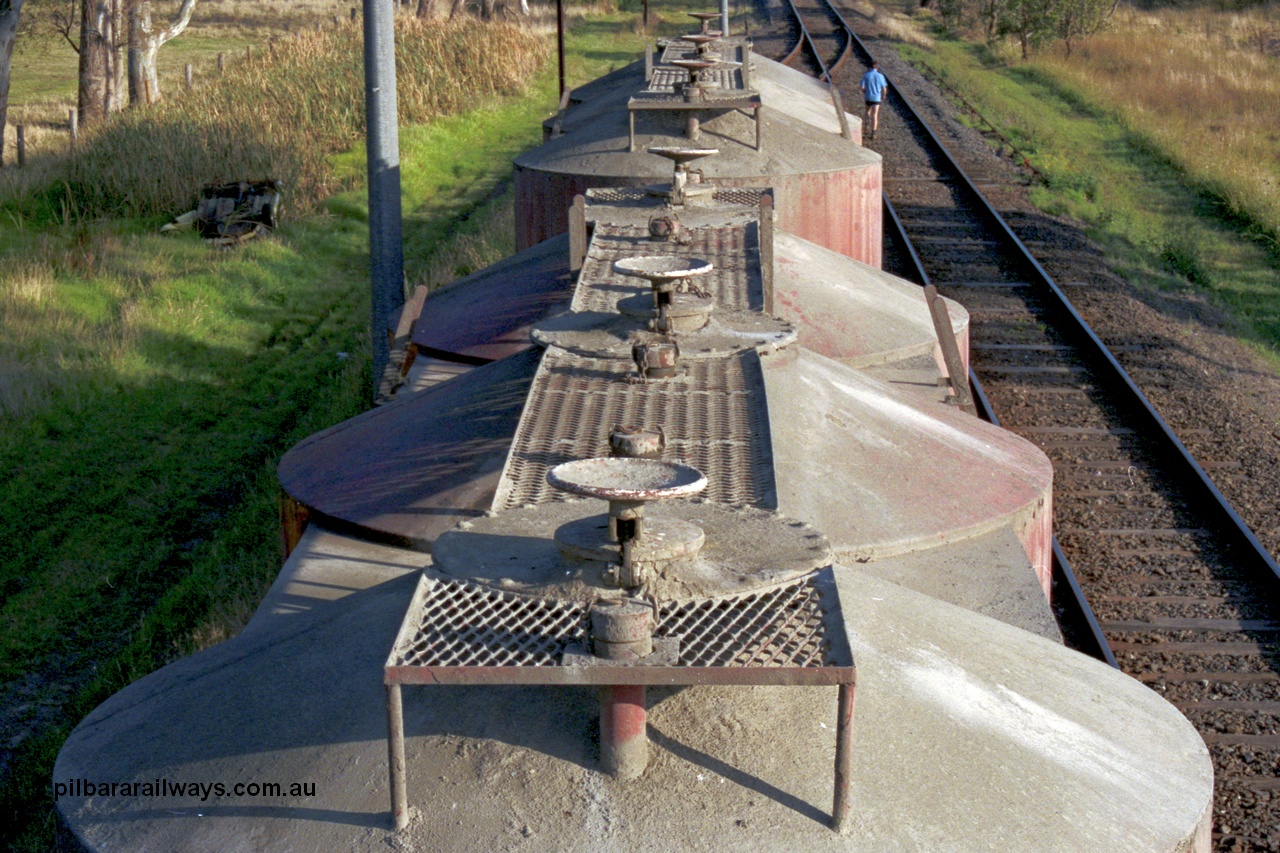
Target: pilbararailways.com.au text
166, 788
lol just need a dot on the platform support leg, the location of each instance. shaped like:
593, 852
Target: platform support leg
395, 758
624, 743
843, 805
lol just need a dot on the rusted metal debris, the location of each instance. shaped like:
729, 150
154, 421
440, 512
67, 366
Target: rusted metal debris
232, 213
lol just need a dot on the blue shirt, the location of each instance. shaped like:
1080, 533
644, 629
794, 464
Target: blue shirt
873, 85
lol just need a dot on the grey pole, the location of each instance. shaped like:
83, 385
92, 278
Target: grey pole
724, 17
386, 248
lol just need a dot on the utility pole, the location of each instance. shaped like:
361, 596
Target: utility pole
386, 246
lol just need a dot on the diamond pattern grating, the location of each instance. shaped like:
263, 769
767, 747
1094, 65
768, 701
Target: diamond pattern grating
456, 624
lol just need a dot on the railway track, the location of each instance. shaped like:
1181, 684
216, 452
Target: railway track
1182, 590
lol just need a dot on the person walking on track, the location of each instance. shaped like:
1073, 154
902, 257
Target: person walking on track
874, 88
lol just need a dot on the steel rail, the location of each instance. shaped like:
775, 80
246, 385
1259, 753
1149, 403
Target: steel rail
1103, 362
1088, 634
807, 37
1093, 352
851, 38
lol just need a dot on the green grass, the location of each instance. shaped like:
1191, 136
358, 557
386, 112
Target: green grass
1158, 230
158, 381
141, 502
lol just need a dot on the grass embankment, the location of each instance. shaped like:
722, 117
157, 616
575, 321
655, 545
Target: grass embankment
1161, 135
149, 385
44, 80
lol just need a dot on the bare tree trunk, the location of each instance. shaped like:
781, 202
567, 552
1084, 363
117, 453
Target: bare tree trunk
9, 11
94, 53
102, 73
145, 43
458, 6
487, 9
426, 9
118, 91
992, 16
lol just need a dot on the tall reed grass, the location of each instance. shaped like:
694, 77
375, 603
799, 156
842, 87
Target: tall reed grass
1204, 87
282, 116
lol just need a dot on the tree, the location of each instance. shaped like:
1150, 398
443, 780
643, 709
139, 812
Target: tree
1078, 19
9, 12
64, 19
960, 15
990, 11
102, 69
1031, 22
144, 43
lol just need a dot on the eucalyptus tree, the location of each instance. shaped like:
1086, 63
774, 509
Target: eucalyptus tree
103, 73
9, 12
1077, 19
1031, 22
145, 41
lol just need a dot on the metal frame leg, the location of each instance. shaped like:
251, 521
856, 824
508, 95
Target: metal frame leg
624, 738
395, 758
843, 805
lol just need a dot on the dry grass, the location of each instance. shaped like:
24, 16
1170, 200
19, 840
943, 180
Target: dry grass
253, 17
900, 27
268, 119
1204, 86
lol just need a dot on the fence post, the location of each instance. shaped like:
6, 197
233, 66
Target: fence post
73, 116
355, 13
188, 73
222, 63
248, 54
22, 146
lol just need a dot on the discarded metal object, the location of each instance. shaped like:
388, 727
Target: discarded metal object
232, 213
